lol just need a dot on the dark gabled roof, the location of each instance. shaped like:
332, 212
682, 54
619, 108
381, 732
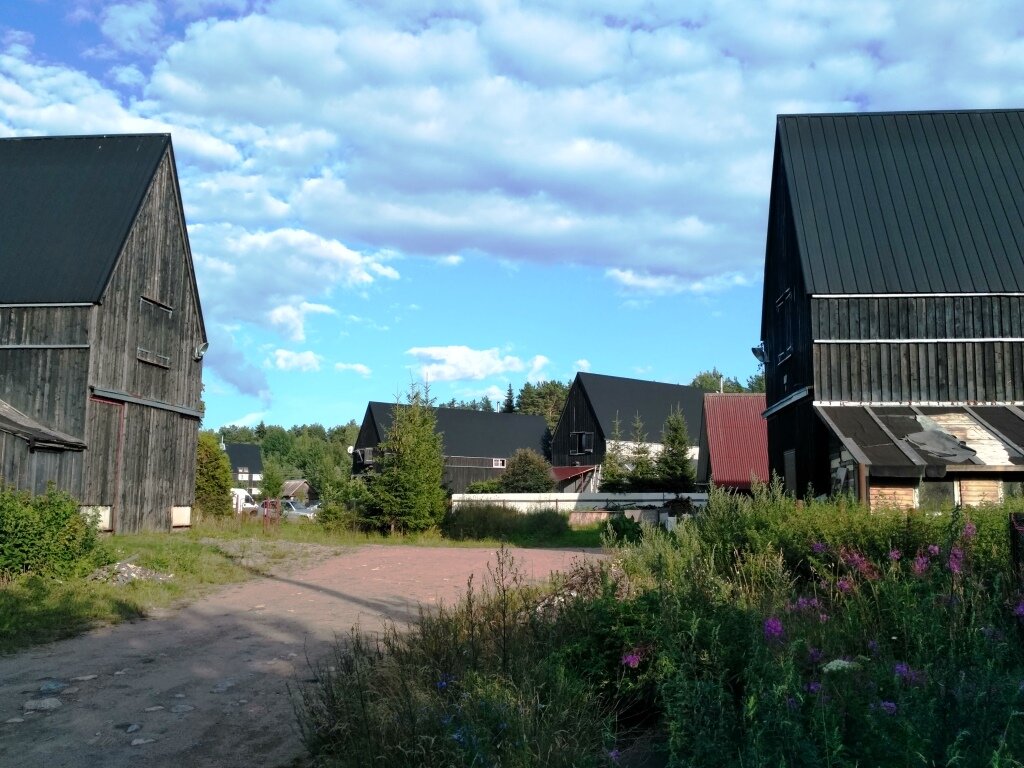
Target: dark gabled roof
737, 438
906, 202
66, 207
475, 433
613, 395
245, 455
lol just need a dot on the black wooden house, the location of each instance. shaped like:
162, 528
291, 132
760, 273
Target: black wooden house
101, 331
477, 444
892, 326
595, 403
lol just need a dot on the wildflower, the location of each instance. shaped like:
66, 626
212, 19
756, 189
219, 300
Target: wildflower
813, 687
895, 555
631, 659
970, 529
815, 656
889, 707
822, 617
614, 755
933, 550
956, 560
873, 647
792, 703
840, 665
845, 585
921, 563
908, 674
773, 629
445, 682
818, 547
1019, 610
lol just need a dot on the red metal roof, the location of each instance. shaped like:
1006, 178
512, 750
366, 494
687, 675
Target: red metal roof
737, 438
567, 473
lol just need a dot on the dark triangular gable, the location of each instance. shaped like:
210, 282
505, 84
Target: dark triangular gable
609, 396
906, 202
67, 205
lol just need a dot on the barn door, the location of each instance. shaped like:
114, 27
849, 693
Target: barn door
105, 458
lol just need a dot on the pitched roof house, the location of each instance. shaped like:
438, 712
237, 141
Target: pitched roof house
246, 465
101, 331
477, 444
734, 442
595, 402
892, 314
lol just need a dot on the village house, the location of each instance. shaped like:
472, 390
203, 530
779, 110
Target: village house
101, 331
734, 441
892, 318
246, 465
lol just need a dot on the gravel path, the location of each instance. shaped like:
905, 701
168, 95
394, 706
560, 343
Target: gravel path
208, 684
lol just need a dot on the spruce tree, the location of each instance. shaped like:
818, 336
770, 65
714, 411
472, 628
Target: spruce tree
643, 476
509, 406
405, 491
675, 469
613, 466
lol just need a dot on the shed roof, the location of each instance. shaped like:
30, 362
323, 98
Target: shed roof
737, 438
475, 433
612, 396
245, 455
929, 441
16, 423
907, 202
66, 207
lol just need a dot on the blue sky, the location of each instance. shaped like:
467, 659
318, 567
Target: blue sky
479, 193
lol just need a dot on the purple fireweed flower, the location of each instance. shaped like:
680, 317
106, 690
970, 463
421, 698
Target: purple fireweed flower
933, 550
792, 703
822, 617
815, 655
813, 687
895, 555
921, 564
773, 629
818, 547
614, 755
1019, 610
907, 674
970, 529
873, 646
889, 707
956, 560
844, 585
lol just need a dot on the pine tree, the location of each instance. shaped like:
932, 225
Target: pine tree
614, 476
674, 467
405, 491
643, 476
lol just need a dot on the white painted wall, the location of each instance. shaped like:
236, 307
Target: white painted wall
571, 502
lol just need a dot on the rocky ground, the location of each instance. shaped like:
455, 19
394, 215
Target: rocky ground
212, 683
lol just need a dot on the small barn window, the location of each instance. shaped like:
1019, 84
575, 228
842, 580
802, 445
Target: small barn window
784, 325
154, 331
497, 463
581, 442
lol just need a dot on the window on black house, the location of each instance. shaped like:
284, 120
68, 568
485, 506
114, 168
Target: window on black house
784, 323
155, 327
581, 442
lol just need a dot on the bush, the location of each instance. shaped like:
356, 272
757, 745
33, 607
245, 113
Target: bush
485, 486
44, 534
527, 472
624, 530
493, 521
213, 479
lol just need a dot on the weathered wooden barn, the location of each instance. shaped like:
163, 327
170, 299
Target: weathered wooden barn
734, 441
892, 325
101, 331
477, 444
596, 401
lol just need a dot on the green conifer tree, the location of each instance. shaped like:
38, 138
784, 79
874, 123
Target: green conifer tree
674, 466
614, 476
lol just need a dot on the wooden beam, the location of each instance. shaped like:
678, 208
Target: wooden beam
909, 452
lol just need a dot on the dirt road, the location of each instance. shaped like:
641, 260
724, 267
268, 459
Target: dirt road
208, 684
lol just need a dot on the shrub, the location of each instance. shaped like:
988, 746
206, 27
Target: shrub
485, 486
493, 521
44, 534
624, 530
527, 472
213, 478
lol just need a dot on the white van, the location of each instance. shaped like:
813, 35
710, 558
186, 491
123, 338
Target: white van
242, 502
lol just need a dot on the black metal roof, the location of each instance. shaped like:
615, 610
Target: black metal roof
66, 206
653, 400
245, 455
907, 202
474, 433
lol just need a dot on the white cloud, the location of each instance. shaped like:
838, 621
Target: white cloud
452, 260
292, 317
132, 27
249, 419
286, 360
655, 284
582, 365
359, 368
537, 372
455, 363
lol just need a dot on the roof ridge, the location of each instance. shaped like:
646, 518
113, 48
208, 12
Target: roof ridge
882, 112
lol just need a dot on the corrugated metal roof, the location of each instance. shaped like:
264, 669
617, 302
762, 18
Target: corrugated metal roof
475, 433
245, 455
612, 396
928, 202
928, 441
737, 438
66, 207
16, 423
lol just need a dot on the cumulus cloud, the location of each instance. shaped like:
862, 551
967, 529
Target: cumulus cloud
362, 370
286, 360
638, 281
230, 364
132, 27
292, 317
537, 365
582, 365
249, 419
455, 363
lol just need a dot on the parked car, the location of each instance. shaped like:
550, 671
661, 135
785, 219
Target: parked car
293, 509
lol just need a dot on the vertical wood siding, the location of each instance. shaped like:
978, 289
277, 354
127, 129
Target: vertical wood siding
49, 385
33, 471
44, 325
578, 416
